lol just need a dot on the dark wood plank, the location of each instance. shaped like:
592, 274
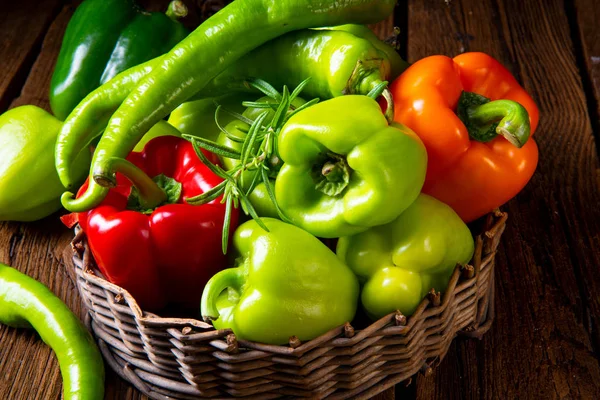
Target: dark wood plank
37, 86
584, 16
22, 29
542, 344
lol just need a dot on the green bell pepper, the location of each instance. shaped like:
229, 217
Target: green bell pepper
286, 283
197, 117
29, 185
105, 37
345, 169
162, 128
400, 262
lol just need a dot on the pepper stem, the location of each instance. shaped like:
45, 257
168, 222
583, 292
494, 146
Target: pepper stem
176, 10
150, 194
331, 174
487, 119
228, 278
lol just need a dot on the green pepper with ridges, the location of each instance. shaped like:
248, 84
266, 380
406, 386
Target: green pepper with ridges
400, 262
105, 37
346, 169
285, 283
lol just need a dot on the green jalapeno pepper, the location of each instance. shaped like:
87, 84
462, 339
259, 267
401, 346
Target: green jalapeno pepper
105, 37
26, 303
346, 169
239, 27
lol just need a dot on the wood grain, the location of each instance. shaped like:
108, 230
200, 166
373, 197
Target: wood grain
544, 334
21, 34
583, 17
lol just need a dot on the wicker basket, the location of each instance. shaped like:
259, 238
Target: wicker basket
189, 359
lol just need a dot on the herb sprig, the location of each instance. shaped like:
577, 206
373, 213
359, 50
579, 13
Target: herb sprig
258, 153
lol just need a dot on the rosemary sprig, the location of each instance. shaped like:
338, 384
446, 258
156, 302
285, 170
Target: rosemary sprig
258, 154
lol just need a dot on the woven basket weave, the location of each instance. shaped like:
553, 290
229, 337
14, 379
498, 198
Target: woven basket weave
189, 359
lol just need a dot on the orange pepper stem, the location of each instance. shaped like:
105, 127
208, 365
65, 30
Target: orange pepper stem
485, 119
149, 192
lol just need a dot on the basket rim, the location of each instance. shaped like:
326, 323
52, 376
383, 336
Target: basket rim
493, 225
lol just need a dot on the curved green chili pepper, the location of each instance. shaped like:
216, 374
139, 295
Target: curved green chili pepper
26, 303
189, 66
91, 116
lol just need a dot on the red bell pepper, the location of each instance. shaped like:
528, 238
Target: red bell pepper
160, 250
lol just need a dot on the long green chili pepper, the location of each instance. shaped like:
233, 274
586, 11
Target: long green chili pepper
91, 116
26, 303
215, 45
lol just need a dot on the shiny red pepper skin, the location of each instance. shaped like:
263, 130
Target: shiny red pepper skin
168, 256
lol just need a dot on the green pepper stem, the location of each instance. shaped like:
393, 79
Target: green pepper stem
331, 174
150, 194
486, 119
92, 197
228, 278
176, 10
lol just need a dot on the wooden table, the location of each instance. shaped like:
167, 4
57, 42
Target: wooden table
545, 342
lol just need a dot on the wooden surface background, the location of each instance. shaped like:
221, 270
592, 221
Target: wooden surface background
545, 342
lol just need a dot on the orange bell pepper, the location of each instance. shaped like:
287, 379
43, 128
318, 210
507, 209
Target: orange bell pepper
480, 154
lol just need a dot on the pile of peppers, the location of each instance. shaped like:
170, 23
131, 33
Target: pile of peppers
218, 159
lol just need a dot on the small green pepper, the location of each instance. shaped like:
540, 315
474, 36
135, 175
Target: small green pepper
286, 283
26, 303
197, 117
29, 185
400, 262
345, 169
105, 37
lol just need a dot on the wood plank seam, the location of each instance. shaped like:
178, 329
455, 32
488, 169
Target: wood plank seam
584, 72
